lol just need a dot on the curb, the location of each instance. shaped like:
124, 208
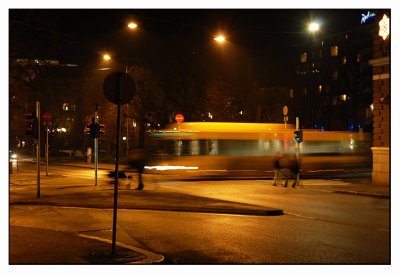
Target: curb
367, 194
253, 212
151, 258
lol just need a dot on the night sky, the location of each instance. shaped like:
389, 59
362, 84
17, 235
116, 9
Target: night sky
244, 26
274, 32
236, 21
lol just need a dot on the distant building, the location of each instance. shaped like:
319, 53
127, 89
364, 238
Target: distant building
381, 99
334, 80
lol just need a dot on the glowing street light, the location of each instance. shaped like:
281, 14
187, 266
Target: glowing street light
132, 25
313, 27
220, 39
107, 57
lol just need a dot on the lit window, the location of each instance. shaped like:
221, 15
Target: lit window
343, 97
65, 106
335, 75
303, 57
320, 88
291, 93
344, 60
335, 51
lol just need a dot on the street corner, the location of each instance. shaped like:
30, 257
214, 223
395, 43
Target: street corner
30, 245
124, 253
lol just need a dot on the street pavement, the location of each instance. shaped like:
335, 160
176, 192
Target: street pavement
40, 246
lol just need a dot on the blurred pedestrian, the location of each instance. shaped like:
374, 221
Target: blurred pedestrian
138, 159
285, 167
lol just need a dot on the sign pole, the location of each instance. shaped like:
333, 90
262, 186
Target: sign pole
38, 147
116, 180
119, 88
285, 112
47, 116
96, 149
297, 152
179, 119
47, 150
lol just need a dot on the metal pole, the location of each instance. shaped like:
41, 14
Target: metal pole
116, 180
179, 142
297, 151
127, 130
47, 150
127, 119
96, 150
38, 147
114, 235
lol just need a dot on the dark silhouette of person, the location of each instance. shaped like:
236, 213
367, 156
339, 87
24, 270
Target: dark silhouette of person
285, 165
138, 159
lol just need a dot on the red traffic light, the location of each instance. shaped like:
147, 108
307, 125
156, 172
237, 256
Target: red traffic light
31, 125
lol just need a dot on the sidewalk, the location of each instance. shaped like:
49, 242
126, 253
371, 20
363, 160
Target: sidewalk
30, 245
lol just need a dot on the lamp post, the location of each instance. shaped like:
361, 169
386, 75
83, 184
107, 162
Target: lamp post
313, 28
131, 26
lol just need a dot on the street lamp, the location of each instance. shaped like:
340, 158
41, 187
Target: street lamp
313, 107
219, 39
132, 25
106, 57
313, 27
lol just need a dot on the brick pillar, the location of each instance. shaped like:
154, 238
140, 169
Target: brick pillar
381, 102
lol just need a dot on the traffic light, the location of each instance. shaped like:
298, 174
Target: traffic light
299, 136
95, 129
92, 129
31, 125
100, 130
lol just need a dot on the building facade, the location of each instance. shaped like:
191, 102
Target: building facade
334, 80
380, 64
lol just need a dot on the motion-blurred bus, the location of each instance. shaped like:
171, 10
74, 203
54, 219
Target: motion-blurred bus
219, 148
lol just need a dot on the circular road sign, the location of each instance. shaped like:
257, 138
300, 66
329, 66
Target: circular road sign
179, 118
119, 88
285, 110
47, 116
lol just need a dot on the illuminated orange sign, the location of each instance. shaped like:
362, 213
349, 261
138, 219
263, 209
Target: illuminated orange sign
384, 27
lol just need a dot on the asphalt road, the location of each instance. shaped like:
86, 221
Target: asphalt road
319, 226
